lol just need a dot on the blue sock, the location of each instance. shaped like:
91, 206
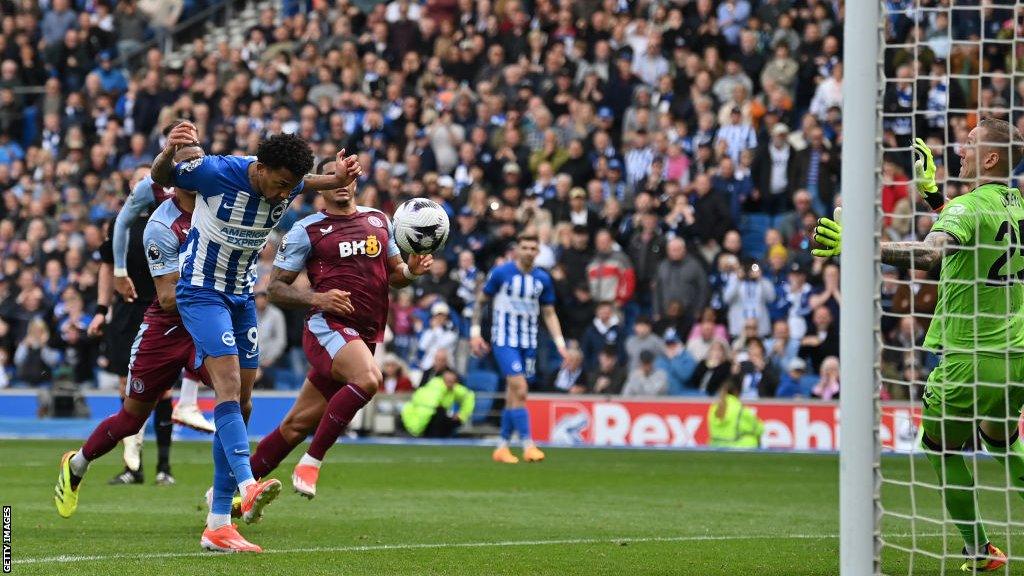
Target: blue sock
232, 435
507, 424
223, 483
522, 418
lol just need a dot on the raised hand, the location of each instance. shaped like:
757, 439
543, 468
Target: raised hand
924, 167
828, 235
184, 134
924, 175
347, 168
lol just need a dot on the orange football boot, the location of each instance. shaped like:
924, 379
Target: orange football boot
304, 480
257, 497
504, 455
226, 539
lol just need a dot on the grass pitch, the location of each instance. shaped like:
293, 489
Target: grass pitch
428, 510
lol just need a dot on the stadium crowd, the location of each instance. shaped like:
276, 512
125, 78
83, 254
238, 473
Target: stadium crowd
673, 156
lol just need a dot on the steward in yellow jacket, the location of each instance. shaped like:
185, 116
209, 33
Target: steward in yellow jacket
730, 423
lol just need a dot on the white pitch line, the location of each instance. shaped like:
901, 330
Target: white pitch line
429, 545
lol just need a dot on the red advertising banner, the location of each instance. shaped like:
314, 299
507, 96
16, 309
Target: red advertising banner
609, 421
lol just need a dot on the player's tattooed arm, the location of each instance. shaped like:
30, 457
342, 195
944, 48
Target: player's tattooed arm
347, 169
163, 167
283, 292
921, 255
162, 170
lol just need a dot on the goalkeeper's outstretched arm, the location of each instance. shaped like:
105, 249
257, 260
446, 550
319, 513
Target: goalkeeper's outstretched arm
919, 255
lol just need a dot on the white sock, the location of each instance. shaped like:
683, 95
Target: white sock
79, 464
243, 486
308, 460
189, 392
528, 443
214, 521
502, 445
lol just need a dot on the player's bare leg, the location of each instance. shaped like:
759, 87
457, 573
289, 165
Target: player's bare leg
354, 365
299, 423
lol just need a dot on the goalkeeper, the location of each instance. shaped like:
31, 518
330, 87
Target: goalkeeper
977, 328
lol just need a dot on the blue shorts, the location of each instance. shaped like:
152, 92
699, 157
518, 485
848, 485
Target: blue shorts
220, 324
517, 362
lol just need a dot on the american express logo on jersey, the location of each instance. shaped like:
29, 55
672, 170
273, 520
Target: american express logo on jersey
244, 238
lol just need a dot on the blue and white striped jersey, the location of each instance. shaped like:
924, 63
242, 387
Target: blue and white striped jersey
516, 300
230, 224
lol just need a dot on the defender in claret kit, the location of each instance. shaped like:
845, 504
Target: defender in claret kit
161, 350
146, 196
351, 257
124, 269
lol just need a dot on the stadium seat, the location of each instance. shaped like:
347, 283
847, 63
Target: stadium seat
752, 230
481, 381
30, 125
286, 379
807, 383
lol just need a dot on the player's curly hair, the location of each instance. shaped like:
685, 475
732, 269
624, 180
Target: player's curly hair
286, 151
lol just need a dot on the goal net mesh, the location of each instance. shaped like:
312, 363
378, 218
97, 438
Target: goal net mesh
944, 65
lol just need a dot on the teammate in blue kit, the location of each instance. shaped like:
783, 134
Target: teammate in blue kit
522, 295
239, 201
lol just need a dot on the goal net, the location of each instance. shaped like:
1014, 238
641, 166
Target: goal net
942, 65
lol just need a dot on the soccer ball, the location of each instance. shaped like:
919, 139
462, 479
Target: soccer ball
421, 226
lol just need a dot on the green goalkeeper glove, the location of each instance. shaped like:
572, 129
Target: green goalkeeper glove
828, 234
924, 174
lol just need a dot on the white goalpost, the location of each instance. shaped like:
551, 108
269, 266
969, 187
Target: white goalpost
858, 443
931, 69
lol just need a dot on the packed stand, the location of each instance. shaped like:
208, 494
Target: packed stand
672, 157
